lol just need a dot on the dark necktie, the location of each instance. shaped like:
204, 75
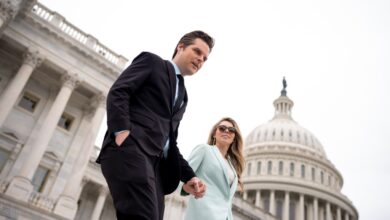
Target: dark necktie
180, 96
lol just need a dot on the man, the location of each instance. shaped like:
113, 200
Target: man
140, 159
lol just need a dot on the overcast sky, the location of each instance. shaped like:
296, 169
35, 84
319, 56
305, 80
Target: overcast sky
335, 56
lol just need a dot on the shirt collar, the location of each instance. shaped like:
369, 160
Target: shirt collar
177, 70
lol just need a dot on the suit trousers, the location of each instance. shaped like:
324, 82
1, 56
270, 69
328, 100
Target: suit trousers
134, 181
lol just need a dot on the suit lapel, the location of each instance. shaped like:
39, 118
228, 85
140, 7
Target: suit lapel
172, 82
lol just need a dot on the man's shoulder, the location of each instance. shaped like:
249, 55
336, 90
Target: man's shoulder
149, 55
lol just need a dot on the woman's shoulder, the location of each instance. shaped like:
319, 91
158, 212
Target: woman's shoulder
202, 148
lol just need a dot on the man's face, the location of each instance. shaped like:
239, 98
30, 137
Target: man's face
191, 58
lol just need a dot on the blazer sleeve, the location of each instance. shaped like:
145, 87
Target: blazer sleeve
195, 160
118, 98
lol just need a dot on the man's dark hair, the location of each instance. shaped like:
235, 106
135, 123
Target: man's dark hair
189, 39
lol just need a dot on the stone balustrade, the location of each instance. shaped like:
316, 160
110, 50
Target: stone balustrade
41, 201
86, 40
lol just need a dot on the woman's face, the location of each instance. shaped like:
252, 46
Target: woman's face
224, 134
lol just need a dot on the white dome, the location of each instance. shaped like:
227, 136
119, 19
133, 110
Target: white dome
283, 130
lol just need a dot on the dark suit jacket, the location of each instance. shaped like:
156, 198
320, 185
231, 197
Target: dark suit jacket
141, 101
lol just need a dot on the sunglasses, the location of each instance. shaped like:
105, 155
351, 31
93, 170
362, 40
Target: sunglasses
224, 128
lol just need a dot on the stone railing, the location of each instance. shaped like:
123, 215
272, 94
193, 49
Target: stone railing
59, 22
41, 201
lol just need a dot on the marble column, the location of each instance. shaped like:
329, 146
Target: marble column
346, 216
272, 203
258, 198
73, 153
338, 213
301, 207
97, 210
8, 98
67, 202
20, 186
328, 212
286, 208
245, 196
315, 209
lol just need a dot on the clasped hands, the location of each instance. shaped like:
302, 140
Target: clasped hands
196, 187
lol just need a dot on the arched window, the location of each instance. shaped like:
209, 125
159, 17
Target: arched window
313, 174
258, 167
269, 167
249, 169
280, 167
292, 169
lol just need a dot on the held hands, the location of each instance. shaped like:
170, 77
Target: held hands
196, 187
121, 136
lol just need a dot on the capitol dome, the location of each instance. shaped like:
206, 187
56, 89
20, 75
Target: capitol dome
283, 129
288, 173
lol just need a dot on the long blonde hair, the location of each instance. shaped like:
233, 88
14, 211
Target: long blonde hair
235, 151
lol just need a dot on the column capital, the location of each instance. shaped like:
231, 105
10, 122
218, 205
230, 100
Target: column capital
99, 100
70, 80
7, 10
33, 57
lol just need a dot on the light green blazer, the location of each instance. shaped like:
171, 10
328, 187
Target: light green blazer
209, 166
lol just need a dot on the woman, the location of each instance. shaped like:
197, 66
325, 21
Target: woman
219, 163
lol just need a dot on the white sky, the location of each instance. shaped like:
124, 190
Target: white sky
335, 56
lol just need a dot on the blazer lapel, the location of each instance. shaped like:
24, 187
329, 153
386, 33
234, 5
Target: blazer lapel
235, 181
222, 164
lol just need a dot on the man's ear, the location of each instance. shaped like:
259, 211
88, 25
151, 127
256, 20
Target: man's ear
180, 46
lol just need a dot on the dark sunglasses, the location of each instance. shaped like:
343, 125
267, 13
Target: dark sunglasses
223, 128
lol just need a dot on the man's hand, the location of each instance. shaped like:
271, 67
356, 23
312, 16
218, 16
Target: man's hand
196, 187
121, 136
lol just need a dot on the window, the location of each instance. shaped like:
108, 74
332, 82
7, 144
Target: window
40, 178
322, 177
292, 213
259, 167
269, 167
4, 155
313, 174
329, 180
66, 121
280, 167
303, 171
266, 204
28, 102
279, 209
292, 169
249, 169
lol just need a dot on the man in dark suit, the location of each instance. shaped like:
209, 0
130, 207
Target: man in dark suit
140, 159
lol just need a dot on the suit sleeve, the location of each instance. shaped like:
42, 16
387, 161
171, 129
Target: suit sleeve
195, 160
118, 98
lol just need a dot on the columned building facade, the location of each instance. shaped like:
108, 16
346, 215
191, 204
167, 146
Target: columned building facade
53, 84
54, 79
288, 173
